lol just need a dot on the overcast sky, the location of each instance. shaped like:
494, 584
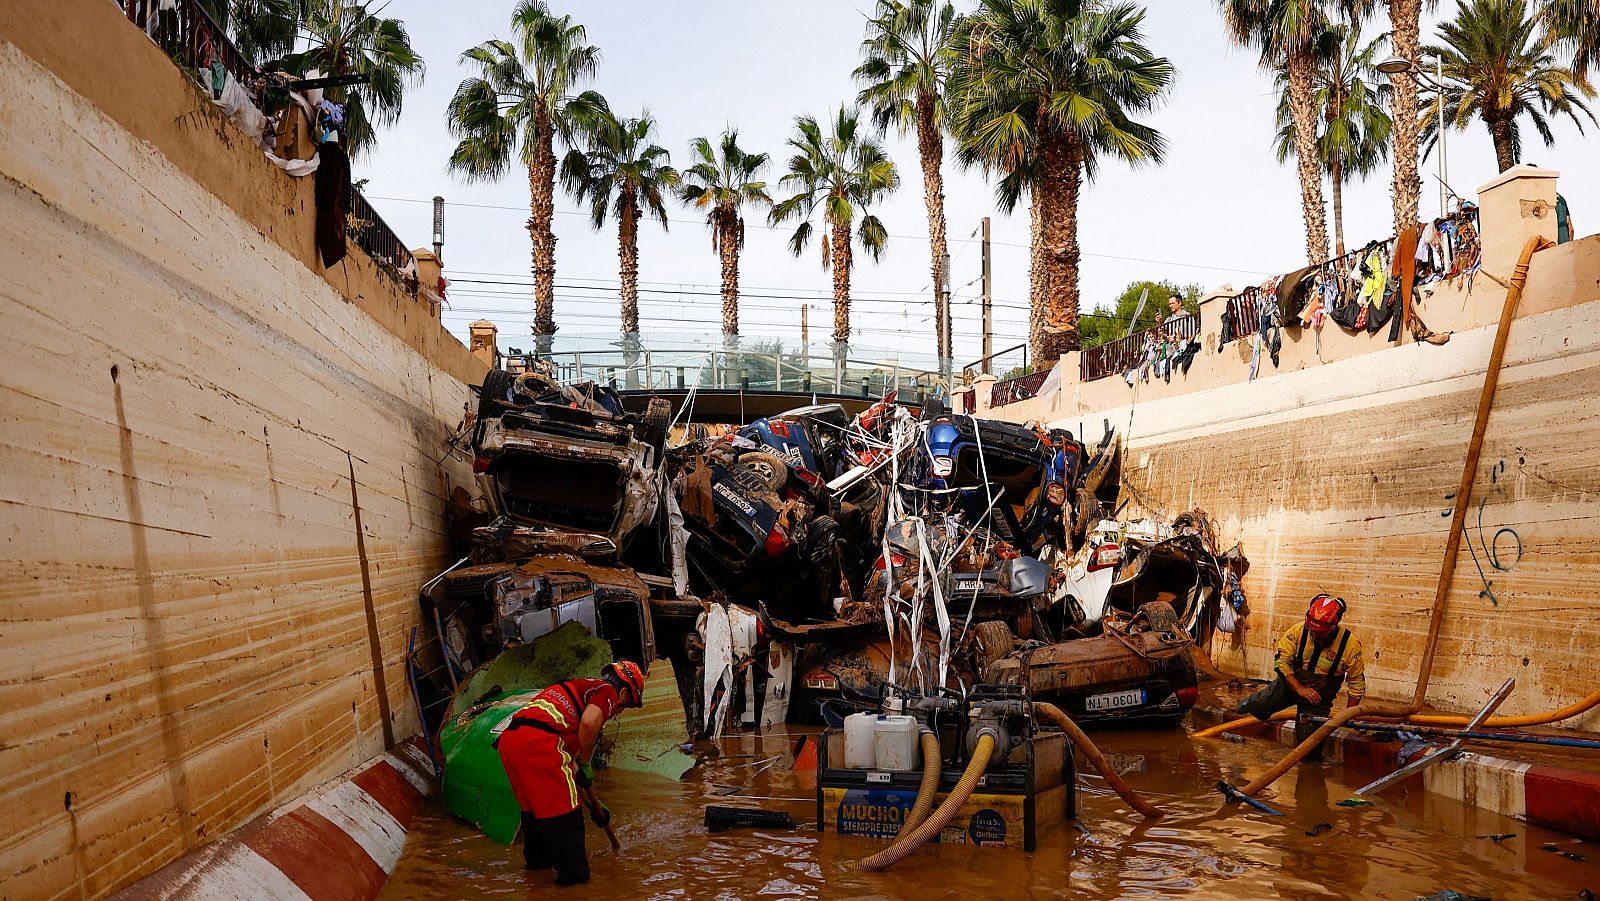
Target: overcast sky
1220, 210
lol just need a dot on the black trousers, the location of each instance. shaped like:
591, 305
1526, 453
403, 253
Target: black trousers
1279, 694
558, 842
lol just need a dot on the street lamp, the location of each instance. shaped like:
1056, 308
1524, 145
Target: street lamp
1396, 65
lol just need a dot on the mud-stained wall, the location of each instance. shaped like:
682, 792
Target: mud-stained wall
220, 477
1341, 479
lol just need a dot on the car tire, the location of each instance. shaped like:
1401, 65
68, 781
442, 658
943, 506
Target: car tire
495, 385
657, 421
771, 469
994, 641
1160, 617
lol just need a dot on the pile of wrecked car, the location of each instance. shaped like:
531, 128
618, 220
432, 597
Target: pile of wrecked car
796, 566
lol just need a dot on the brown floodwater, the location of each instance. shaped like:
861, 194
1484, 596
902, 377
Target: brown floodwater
1403, 847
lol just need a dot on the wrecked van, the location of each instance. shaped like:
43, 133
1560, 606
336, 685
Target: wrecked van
567, 457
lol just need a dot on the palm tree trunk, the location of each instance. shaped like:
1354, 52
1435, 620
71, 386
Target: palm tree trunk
1336, 173
1505, 154
728, 244
839, 258
1036, 280
628, 257
542, 208
1303, 111
1060, 181
930, 147
1405, 20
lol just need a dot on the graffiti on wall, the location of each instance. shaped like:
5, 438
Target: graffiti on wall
1500, 548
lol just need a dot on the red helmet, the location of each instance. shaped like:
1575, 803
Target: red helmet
1324, 614
628, 673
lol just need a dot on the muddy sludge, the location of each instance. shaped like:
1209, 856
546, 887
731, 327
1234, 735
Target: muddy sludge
1404, 847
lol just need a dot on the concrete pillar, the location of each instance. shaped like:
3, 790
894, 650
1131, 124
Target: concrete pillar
1212, 306
983, 390
483, 342
429, 271
1513, 207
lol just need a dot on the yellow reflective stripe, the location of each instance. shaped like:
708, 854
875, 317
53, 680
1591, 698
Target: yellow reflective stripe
567, 770
549, 708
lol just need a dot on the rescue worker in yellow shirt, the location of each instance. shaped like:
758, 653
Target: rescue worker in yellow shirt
1314, 659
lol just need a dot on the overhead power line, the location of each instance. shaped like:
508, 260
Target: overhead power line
963, 241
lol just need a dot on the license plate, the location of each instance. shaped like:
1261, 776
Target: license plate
1115, 700
969, 585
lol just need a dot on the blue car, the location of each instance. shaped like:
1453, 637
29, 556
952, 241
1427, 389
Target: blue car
1029, 475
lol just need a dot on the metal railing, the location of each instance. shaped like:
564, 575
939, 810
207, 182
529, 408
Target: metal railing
659, 368
986, 364
374, 235
190, 36
1243, 315
194, 40
1020, 388
1119, 356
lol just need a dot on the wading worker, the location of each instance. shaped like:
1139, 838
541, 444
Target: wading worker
545, 749
1314, 659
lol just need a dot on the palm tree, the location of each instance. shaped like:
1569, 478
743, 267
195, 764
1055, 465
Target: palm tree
720, 181
903, 78
520, 99
1494, 69
1353, 138
1405, 27
1039, 97
843, 173
1575, 24
1285, 32
618, 170
336, 37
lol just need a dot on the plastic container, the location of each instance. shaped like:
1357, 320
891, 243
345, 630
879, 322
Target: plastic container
895, 744
859, 740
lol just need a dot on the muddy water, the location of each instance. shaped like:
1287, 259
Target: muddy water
1401, 848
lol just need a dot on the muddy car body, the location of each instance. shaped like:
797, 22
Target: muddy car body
1124, 566
486, 608
998, 472
1138, 671
567, 457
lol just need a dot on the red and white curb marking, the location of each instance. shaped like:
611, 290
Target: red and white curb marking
1549, 796
338, 843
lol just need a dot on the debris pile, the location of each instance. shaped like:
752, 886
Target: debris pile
795, 566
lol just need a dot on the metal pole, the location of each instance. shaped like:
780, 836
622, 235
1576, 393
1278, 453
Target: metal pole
1444, 170
438, 227
805, 325
988, 302
945, 338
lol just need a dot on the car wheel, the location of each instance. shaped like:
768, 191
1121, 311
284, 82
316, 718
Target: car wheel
1159, 616
495, 386
769, 468
657, 420
994, 641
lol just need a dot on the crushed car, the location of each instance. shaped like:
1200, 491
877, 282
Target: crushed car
567, 457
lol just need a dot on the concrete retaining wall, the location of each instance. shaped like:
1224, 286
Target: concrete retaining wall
222, 470
1337, 472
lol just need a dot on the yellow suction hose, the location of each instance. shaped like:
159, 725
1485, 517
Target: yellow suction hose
911, 840
1580, 706
931, 764
1059, 717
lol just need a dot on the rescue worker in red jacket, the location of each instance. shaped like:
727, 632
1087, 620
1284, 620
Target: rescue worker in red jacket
1314, 659
545, 749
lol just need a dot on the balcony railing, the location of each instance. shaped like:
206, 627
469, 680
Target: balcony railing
194, 40
1123, 354
374, 236
190, 36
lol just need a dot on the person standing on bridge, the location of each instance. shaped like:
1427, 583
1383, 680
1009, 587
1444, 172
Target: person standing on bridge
545, 749
1314, 659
